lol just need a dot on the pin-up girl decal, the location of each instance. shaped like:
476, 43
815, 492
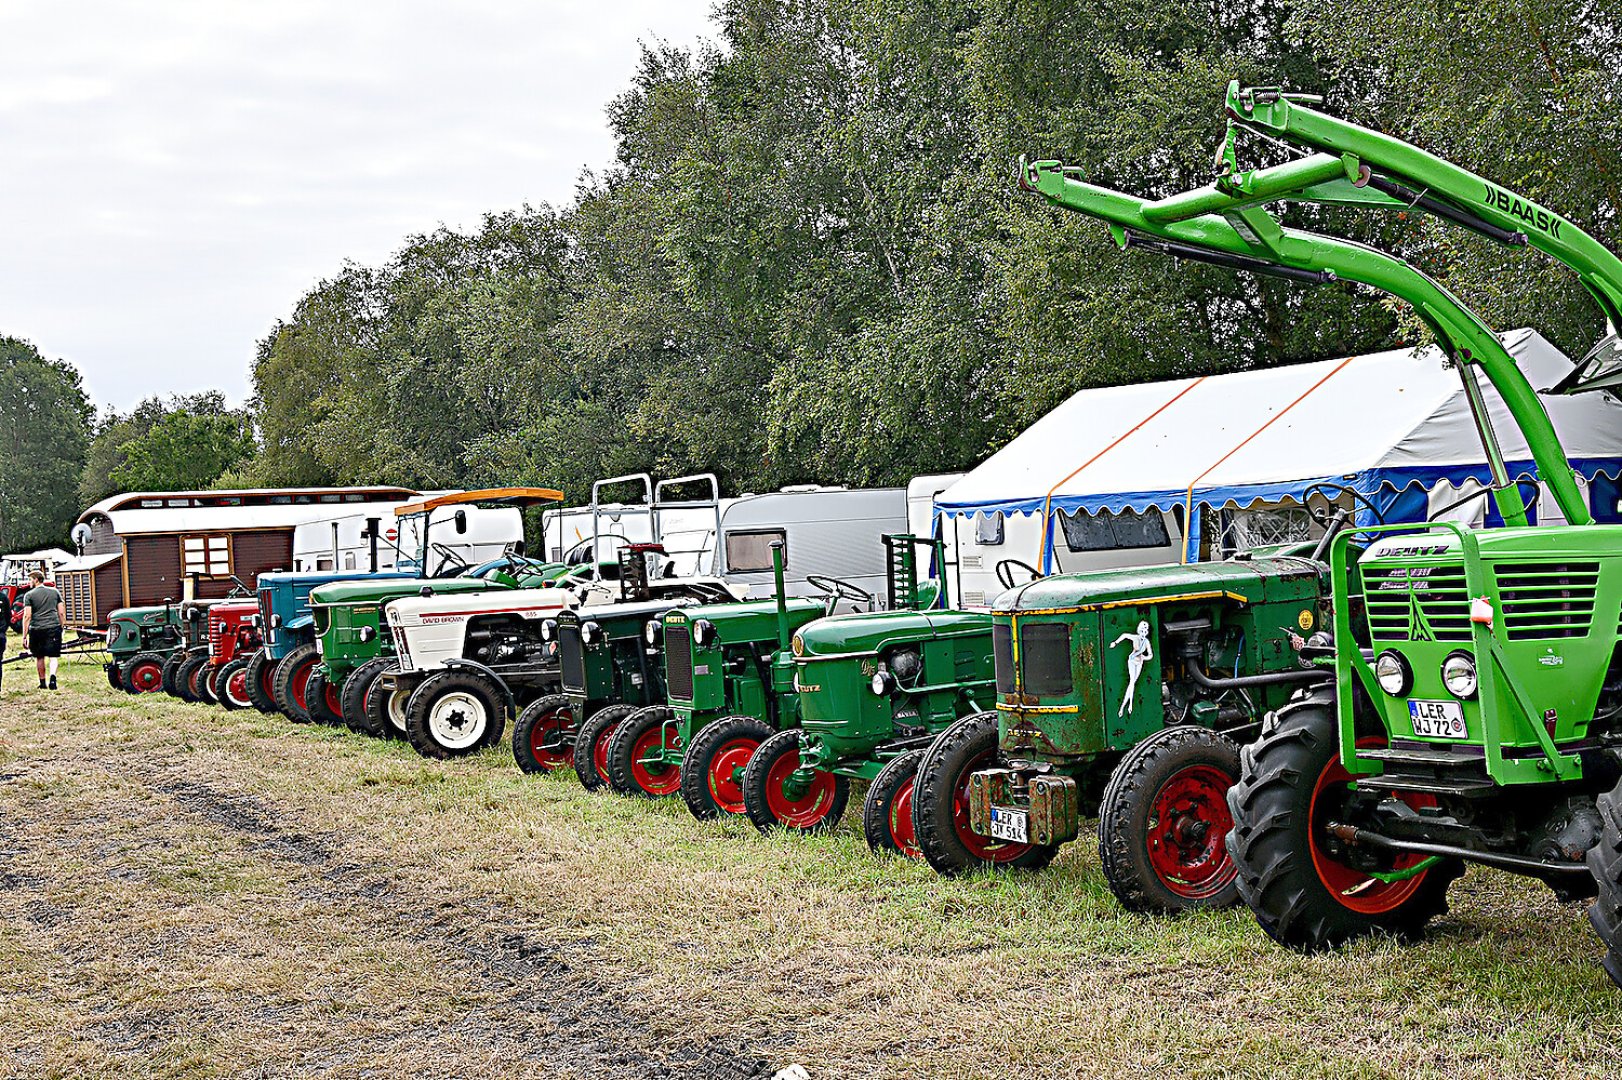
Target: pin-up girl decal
1140, 654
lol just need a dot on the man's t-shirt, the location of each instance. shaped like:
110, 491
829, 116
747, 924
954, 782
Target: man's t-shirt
42, 601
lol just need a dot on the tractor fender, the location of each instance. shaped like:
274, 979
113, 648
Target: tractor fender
303, 622
461, 664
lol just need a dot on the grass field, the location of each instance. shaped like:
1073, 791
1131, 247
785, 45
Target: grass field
187, 892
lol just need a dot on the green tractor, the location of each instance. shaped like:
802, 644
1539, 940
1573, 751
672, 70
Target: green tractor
1476, 708
874, 690
729, 678
139, 641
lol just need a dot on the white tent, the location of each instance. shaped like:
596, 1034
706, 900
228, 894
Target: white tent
1382, 424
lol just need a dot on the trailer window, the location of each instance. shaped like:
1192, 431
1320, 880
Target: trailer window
988, 529
751, 552
206, 556
1105, 531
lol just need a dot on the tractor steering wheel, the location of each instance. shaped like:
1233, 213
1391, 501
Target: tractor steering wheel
836, 590
449, 557
1330, 493
1006, 568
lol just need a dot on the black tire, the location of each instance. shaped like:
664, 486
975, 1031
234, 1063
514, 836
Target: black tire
320, 699
353, 696
769, 808
294, 669
232, 700
625, 775
452, 714
887, 809
591, 744
186, 679
1605, 864
543, 735
171, 672
261, 682
1273, 843
142, 673
202, 683
1164, 820
386, 709
113, 674
940, 804
709, 765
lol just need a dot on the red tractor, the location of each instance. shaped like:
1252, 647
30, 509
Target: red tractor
233, 638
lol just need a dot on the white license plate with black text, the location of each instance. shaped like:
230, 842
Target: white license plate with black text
1438, 719
1011, 825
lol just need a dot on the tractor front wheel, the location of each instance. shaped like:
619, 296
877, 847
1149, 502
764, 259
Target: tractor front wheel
292, 683
774, 801
352, 699
637, 754
142, 673
186, 679
231, 684
940, 806
171, 673
1605, 863
1291, 787
114, 674
887, 810
1163, 825
543, 737
712, 769
321, 698
452, 714
261, 676
591, 745
386, 709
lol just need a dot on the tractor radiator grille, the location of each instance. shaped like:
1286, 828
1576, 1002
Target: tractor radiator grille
572, 657
1547, 600
1002, 654
1416, 603
267, 631
216, 638
679, 663
1044, 659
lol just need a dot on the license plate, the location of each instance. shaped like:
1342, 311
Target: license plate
1438, 719
1011, 825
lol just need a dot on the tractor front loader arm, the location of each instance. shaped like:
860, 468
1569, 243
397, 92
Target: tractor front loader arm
1227, 223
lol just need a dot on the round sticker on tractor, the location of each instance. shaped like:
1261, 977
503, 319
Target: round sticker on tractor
1304, 620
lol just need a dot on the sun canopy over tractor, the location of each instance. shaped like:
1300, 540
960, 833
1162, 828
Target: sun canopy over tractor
487, 497
1390, 425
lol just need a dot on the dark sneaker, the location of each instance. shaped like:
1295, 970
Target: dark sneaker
42, 684
53, 682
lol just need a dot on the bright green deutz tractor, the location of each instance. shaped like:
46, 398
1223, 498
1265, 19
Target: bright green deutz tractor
1483, 720
874, 689
729, 678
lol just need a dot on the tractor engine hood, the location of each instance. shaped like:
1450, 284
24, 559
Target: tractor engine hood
1242, 580
867, 634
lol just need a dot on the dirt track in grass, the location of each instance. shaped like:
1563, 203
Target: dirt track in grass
192, 893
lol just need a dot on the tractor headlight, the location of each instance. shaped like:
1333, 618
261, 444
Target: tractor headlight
368, 633
883, 683
1392, 673
703, 633
652, 631
112, 635
591, 633
549, 631
276, 621
1459, 674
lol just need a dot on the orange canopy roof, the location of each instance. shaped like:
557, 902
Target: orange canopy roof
510, 496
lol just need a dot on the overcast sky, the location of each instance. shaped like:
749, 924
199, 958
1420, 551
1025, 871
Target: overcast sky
175, 173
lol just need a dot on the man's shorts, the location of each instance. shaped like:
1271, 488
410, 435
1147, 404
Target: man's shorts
45, 642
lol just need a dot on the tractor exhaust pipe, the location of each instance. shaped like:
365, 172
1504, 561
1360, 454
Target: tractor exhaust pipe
372, 526
1271, 678
782, 595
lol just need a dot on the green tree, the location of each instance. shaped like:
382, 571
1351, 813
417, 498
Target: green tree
44, 429
186, 444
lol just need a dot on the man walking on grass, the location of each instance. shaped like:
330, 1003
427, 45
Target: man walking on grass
43, 615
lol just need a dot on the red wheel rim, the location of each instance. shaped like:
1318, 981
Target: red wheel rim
546, 729
984, 848
902, 833
300, 683
810, 809
192, 680
599, 752
335, 705
1350, 887
726, 767
1188, 823
146, 678
236, 688
267, 677
657, 779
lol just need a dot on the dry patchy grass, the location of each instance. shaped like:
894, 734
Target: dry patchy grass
193, 893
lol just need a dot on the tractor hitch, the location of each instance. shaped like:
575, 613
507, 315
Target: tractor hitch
1353, 837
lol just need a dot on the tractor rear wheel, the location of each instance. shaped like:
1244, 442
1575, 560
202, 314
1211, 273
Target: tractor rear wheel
1605, 863
713, 767
352, 698
887, 810
231, 684
543, 737
142, 673
261, 676
113, 675
940, 807
630, 772
1163, 825
768, 799
452, 714
186, 678
292, 682
171, 672
321, 698
591, 745
1291, 785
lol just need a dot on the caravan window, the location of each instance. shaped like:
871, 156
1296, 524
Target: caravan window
751, 552
988, 529
206, 556
1106, 531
